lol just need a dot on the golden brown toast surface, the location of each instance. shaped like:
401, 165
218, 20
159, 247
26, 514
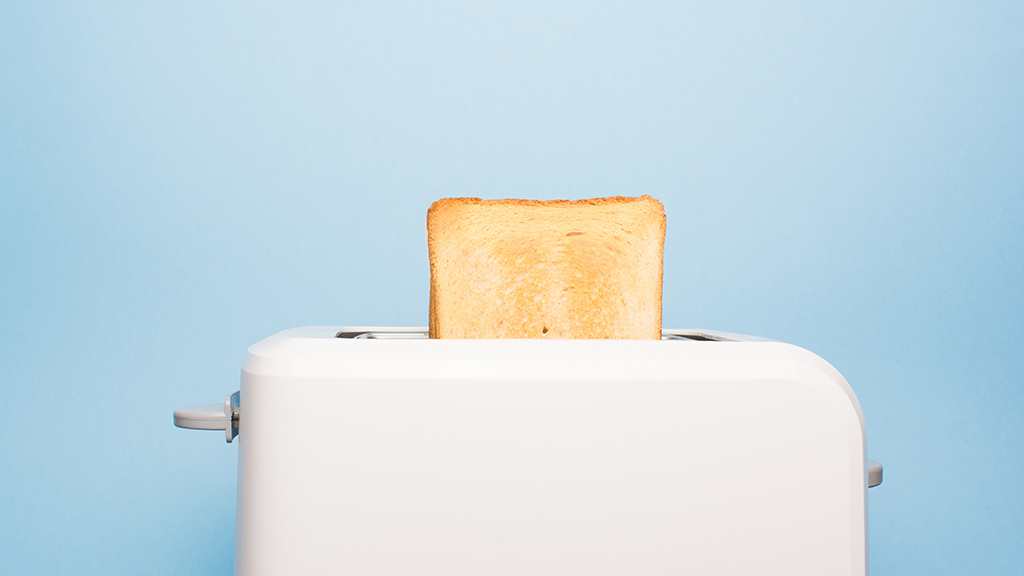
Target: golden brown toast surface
546, 269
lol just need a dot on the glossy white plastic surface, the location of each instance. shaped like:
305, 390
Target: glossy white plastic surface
547, 458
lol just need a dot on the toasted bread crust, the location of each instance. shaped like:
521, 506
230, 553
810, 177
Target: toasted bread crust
446, 202
515, 268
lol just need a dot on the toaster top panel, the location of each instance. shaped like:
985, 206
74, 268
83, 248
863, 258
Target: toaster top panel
373, 353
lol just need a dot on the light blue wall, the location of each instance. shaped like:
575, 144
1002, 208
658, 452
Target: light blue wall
179, 180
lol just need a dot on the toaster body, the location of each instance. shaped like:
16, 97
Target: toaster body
374, 451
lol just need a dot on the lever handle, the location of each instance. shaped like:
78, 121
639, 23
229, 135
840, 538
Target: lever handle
211, 417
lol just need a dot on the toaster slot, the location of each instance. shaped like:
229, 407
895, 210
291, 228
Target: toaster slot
421, 333
385, 334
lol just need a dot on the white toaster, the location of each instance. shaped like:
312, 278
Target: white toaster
378, 451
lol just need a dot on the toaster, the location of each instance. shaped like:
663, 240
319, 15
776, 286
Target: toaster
379, 451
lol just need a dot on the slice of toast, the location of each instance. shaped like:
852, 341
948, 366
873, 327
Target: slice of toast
546, 269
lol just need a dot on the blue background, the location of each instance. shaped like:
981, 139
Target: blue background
179, 180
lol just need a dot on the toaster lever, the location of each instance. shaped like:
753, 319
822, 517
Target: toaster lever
211, 417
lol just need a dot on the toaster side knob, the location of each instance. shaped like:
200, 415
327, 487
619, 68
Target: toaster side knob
874, 473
